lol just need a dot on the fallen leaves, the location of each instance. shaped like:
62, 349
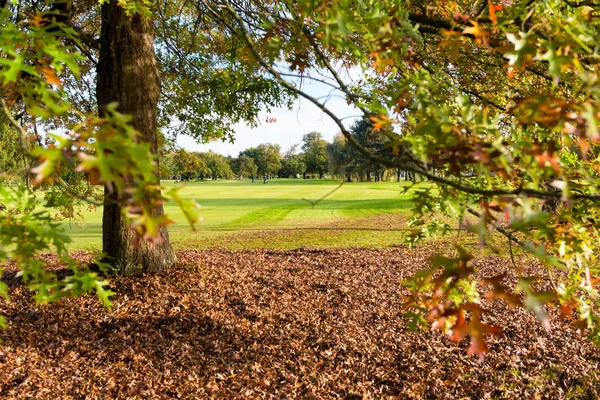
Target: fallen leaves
279, 324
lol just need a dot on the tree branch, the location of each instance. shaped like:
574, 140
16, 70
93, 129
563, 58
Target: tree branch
384, 161
500, 229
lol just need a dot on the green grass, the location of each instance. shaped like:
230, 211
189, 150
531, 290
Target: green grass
284, 213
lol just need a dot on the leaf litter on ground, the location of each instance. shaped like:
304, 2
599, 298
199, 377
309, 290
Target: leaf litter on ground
279, 324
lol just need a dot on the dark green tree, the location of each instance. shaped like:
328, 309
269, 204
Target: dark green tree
245, 167
315, 157
293, 163
267, 158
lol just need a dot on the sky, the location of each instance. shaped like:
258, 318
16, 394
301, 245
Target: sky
289, 125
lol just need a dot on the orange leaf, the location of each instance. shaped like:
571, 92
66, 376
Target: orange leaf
50, 76
38, 21
501, 291
380, 64
493, 9
475, 329
380, 122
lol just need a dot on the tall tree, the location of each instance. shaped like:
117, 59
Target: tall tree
293, 165
376, 144
315, 157
127, 73
185, 165
341, 158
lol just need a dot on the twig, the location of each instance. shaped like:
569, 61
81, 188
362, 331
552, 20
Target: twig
498, 228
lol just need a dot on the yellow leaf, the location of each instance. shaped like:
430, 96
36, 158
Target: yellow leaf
473, 30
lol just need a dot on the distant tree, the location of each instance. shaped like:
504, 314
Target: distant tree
215, 166
376, 143
292, 166
13, 163
293, 163
165, 167
344, 159
315, 156
245, 166
267, 158
186, 165
340, 157
232, 162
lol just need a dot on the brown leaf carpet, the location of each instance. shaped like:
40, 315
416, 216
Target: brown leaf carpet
304, 324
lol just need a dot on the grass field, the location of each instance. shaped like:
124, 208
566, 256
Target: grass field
283, 214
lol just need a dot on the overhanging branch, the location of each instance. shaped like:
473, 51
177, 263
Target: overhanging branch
384, 161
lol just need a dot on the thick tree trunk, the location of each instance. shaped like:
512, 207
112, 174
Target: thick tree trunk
128, 74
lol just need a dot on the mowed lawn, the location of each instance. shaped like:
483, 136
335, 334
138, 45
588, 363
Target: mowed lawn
283, 214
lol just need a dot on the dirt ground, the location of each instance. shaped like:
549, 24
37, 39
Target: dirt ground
310, 324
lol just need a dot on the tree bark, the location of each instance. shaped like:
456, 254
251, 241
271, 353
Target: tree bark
127, 73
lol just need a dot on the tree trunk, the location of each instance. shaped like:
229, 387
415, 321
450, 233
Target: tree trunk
127, 73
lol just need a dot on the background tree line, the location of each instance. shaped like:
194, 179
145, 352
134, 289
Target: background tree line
313, 158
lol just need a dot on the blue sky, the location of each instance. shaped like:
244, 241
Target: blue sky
290, 125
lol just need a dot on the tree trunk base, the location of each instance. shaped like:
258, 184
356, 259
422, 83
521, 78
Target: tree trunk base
129, 254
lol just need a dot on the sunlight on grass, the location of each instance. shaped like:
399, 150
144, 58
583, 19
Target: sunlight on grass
284, 213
